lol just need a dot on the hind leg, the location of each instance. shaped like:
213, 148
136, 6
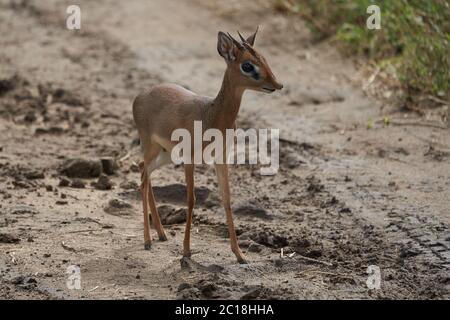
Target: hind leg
155, 215
162, 159
151, 152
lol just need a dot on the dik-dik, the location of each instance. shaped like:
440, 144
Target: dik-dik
167, 107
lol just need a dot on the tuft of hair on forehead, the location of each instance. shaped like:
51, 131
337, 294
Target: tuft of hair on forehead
251, 50
244, 45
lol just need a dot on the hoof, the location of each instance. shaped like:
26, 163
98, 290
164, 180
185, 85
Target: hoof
242, 261
163, 237
147, 245
187, 254
185, 263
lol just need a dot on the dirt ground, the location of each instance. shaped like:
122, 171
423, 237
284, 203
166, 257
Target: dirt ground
346, 196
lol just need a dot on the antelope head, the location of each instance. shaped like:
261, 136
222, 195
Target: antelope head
247, 67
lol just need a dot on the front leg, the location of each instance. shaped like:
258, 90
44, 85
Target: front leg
189, 172
222, 177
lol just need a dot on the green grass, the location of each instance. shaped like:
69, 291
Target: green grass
414, 33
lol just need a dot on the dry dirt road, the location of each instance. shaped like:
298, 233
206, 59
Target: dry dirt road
346, 197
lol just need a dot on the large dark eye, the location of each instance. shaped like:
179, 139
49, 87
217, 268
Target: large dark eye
247, 67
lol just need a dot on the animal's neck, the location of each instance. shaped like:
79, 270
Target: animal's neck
225, 106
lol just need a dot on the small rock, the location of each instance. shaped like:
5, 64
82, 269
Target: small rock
135, 168
30, 117
252, 211
7, 85
119, 204
408, 252
129, 185
8, 238
64, 182
170, 215
245, 243
272, 239
213, 200
103, 183
49, 187
208, 289
33, 174
255, 247
31, 280
118, 207
22, 184
18, 280
252, 294
345, 210
51, 130
109, 165
314, 253
61, 202
67, 97
77, 183
82, 168
293, 161
184, 286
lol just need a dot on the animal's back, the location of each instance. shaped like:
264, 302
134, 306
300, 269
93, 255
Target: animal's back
166, 107
153, 102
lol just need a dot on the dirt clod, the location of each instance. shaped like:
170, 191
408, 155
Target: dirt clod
82, 168
103, 183
7, 85
9, 238
170, 215
64, 182
78, 184
252, 211
67, 97
129, 185
118, 207
176, 194
109, 165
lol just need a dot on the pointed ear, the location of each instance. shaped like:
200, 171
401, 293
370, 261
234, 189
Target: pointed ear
251, 39
225, 47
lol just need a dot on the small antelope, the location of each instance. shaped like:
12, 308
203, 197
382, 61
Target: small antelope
166, 107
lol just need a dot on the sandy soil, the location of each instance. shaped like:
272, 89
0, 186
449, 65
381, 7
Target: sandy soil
346, 197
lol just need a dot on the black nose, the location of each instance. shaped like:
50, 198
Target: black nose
278, 85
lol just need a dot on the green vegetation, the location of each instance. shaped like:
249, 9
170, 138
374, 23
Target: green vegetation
414, 36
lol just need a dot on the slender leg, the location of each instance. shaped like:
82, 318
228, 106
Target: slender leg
151, 153
222, 177
155, 215
189, 172
144, 191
